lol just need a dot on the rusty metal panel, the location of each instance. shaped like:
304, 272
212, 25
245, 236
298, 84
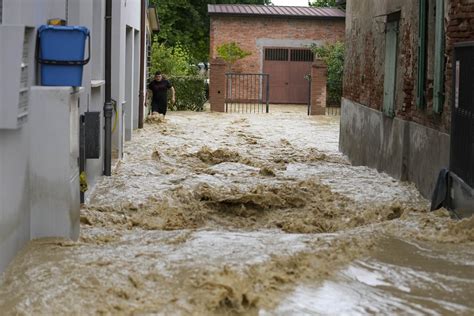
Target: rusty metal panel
287, 69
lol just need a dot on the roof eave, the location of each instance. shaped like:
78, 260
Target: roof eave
153, 18
278, 16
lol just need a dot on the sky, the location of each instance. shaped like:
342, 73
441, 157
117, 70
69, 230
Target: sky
301, 3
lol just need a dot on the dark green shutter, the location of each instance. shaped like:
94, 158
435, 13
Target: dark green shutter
420, 88
391, 45
438, 92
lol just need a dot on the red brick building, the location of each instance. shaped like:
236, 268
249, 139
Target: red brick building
398, 80
278, 39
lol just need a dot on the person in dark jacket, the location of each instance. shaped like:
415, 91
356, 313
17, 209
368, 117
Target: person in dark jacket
159, 88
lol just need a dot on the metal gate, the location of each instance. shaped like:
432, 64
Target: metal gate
247, 93
462, 120
288, 68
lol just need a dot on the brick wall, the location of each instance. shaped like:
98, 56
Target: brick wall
246, 31
319, 72
217, 86
365, 54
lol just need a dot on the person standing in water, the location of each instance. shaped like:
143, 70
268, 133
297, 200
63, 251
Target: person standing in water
159, 88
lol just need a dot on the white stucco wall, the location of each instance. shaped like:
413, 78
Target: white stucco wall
16, 190
14, 193
129, 13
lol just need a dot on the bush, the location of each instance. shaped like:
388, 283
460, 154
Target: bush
190, 93
333, 56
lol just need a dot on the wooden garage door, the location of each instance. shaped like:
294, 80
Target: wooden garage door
287, 68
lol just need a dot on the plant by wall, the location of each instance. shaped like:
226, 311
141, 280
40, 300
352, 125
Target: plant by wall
231, 52
333, 55
190, 93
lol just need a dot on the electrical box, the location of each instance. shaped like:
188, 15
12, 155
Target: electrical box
92, 134
16, 72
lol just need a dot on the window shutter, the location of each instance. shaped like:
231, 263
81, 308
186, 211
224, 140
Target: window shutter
421, 83
438, 101
391, 46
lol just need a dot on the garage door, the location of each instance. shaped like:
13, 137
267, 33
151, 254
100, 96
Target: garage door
287, 68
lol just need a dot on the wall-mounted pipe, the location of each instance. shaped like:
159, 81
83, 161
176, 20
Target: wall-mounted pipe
108, 108
141, 95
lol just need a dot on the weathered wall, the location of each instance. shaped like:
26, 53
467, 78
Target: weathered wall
365, 55
366, 135
406, 150
255, 33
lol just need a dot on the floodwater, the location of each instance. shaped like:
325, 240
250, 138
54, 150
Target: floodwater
252, 214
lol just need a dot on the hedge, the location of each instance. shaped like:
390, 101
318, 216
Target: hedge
190, 93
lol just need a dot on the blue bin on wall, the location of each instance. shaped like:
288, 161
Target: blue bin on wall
60, 51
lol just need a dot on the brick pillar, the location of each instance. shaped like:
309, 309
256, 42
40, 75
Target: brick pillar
319, 75
217, 85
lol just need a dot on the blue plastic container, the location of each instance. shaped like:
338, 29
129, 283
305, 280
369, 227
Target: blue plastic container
61, 54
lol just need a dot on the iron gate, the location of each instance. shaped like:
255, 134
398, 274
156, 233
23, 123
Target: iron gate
462, 120
247, 93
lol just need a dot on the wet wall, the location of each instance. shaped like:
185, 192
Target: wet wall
14, 144
405, 150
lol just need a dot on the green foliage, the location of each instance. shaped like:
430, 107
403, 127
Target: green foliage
333, 56
187, 22
172, 61
190, 93
324, 3
231, 52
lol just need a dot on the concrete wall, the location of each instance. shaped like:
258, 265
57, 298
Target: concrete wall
255, 33
54, 153
405, 150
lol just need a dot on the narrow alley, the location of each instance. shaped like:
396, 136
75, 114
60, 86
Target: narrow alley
254, 214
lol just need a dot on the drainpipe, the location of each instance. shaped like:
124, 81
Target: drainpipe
108, 108
141, 95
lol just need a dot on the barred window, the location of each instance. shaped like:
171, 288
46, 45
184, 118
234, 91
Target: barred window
276, 54
302, 55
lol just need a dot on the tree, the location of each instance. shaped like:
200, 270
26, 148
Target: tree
171, 61
187, 22
323, 3
231, 52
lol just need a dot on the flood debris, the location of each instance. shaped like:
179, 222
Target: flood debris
212, 214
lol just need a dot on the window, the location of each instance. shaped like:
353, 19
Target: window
302, 55
276, 54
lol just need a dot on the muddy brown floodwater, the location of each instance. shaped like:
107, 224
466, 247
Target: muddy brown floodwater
224, 214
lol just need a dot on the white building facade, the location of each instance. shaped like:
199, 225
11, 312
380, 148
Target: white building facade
39, 147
